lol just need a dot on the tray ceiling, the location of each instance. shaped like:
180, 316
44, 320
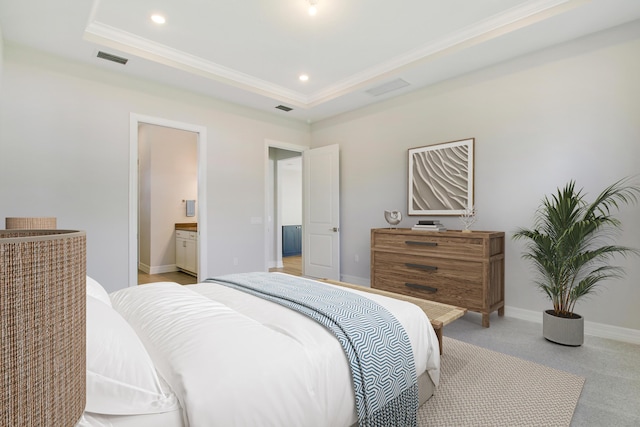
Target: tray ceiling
355, 52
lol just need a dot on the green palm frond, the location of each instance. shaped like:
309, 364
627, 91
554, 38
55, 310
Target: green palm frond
567, 244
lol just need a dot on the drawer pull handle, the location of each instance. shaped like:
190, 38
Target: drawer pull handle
411, 242
422, 267
421, 287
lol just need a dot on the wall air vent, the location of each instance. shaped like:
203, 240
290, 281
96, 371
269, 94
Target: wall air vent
114, 58
387, 87
284, 108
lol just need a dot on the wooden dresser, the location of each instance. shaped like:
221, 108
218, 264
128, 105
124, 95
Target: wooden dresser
451, 267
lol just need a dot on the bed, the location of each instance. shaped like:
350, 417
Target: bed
211, 355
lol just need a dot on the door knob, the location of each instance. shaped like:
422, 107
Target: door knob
334, 229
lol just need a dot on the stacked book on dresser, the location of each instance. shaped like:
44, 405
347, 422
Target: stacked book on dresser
429, 225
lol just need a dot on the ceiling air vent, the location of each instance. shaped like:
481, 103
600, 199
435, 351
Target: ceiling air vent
284, 108
387, 87
114, 58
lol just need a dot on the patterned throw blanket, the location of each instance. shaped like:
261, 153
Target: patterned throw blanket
376, 344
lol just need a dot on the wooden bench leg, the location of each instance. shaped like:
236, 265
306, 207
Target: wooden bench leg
439, 335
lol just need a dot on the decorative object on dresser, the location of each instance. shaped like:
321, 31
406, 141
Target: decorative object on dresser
450, 267
468, 218
393, 218
571, 246
441, 178
429, 225
42, 318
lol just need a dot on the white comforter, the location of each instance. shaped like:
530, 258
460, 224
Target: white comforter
237, 360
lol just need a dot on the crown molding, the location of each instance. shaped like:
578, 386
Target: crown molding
495, 26
115, 38
499, 24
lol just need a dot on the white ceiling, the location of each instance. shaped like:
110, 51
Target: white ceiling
251, 52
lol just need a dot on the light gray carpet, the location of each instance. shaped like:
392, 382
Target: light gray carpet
480, 387
612, 389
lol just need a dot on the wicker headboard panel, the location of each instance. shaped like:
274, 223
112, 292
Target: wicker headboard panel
42, 327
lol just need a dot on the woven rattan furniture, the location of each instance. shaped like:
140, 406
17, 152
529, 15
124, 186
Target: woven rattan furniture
35, 223
439, 314
42, 327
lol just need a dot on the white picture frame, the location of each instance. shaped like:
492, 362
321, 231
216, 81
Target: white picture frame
441, 178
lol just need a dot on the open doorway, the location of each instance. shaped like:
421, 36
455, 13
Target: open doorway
284, 208
287, 210
162, 158
320, 229
167, 194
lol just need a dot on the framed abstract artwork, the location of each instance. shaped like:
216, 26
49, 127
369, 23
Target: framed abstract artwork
441, 178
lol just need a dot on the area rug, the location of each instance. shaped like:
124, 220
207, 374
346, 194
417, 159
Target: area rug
480, 387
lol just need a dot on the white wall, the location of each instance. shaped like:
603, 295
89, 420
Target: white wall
1, 56
570, 112
144, 200
291, 192
64, 152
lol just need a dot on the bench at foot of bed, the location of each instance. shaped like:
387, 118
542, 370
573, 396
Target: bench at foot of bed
439, 314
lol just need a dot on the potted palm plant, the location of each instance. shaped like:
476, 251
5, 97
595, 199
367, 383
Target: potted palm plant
571, 246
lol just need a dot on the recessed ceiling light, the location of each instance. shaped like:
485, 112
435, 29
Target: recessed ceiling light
158, 19
303, 77
312, 7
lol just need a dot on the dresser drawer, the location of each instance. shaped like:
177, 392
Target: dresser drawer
452, 267
190, 235
431, 243
468, 272
443, 280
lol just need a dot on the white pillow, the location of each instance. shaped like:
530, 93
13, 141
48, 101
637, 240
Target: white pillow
121, 378
95, 289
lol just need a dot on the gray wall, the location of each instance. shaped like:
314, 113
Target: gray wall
64, 152
1, 55
291, 193
570, 112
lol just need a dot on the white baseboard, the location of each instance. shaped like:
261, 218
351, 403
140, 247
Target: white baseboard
355, 280
522, 314
275, 264
159, 269
590, 328
144, 268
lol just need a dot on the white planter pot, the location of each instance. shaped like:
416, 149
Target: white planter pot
562, 330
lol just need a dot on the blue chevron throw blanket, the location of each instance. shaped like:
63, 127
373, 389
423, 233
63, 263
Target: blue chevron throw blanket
376, 344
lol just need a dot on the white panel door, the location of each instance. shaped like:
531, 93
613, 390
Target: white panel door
321, 214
